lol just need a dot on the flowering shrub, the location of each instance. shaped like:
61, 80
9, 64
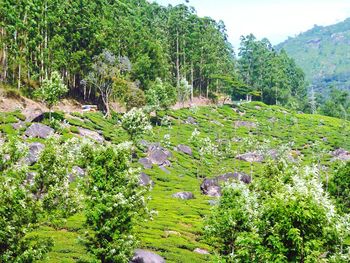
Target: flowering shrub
136, 123
18, 210
115, 202
293, 220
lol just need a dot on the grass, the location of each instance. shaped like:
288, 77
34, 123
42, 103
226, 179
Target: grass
177, 229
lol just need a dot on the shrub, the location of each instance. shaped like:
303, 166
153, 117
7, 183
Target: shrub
136, 123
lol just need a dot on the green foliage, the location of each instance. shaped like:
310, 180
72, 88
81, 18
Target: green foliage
52, 89
293, 221
18, 210
115, 202
340, 187
160, 95
183, 91
136, 123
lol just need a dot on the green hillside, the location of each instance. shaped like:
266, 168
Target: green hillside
177, 228
324, 54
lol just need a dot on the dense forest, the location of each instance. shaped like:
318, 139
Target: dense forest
146, 41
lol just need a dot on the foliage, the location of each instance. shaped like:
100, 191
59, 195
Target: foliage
115, 202
183, 91
295, 221
340, 187
337, 104
136, 123
160, 95
52, 89
18, 210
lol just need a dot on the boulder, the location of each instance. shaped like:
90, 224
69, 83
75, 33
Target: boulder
340, 155
91, 135
201, 251
185, 149
251, 157
212, 187
247, 124
191, 120
164, 169
184, 195
76, 172
158, 156
146, 162
34, 151
145, 256
19, 125
145, 180
38, 130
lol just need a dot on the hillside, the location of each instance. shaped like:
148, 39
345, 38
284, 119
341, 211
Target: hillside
323, 53
176, 231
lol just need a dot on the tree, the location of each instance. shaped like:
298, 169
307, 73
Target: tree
340, 187
183, 91
289, 218
114, 205
52, 90
160, 95
105, 70
136, 123
19, 213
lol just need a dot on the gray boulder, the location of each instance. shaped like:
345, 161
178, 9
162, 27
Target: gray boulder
34, 152
145, 256
19, 125
247, 124
38, 130
184, 195
185, 149
158, 156
251, 157
76, 172
212, 186
340, 155
91, 135
145, 180
146, 162
191, 120
201, 251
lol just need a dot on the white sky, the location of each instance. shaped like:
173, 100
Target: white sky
274, 19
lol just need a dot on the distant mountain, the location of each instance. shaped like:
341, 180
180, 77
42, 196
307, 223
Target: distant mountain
324, 55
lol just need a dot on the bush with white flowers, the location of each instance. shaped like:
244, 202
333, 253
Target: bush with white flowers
136, 123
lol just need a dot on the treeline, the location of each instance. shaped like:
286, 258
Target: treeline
38, 37
149, 40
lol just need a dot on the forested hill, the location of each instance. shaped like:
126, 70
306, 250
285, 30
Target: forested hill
152, 41
324, 55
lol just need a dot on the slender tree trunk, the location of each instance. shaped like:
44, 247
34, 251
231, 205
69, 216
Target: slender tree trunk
177, 59
192, 82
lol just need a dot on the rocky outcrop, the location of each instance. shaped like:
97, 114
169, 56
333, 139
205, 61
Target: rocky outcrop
145, 180
38, 130
252, 157
91, 135
184, 195
185, 149
145, 256
34, 150
19, 125
212, 187
247, 124
340, 155
146, 162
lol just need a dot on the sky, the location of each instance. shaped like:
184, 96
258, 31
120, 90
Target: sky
274, 19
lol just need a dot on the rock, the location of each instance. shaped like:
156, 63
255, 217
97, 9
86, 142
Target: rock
213, 202
164, 169
146, 162
184, 195
145, 180
145, 256
34, 152
201, 251
30, 178
185, 149
247, 124
19, 125
257, 107
91, 134
38, 130
212, 187
340, 155
158, 157
251, 157
191, 120
76, 172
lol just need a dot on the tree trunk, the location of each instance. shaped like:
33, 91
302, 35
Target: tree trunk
192, 81
177, 59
